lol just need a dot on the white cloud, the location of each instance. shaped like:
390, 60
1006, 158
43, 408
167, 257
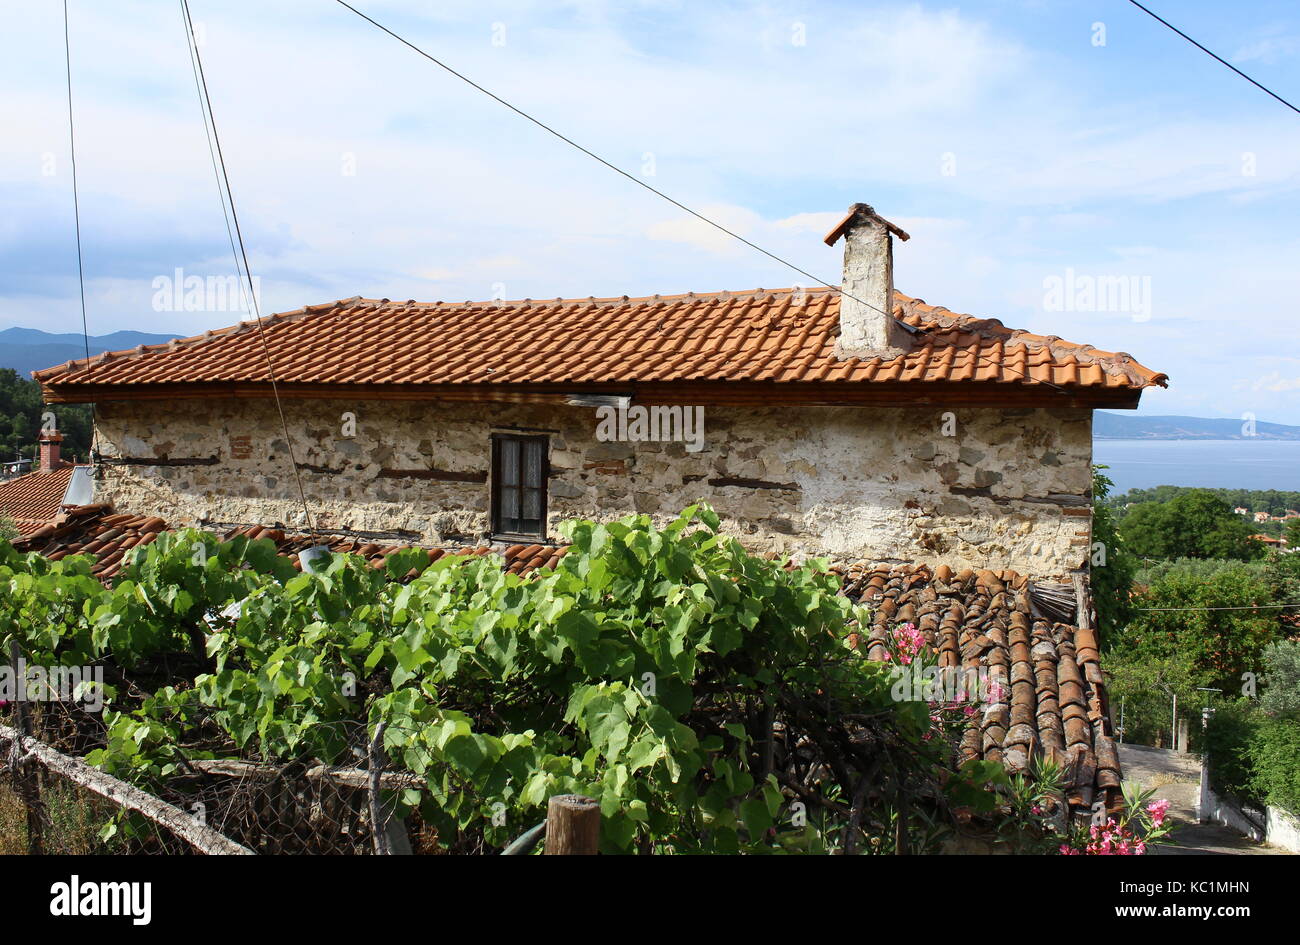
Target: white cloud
1268, 50
1276, 383
453, 193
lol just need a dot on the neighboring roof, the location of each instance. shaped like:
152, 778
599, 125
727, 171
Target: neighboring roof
33, 499
1053, 697
98, 530
762, 346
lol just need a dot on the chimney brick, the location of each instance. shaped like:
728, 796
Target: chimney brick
867, 324
49, 444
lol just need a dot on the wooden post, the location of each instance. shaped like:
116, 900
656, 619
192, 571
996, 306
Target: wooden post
572, 826
179, 822
901, 847
26, 783
388, 833
376, 765
1082, 601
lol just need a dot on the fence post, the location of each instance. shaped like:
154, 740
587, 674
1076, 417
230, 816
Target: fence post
572, 825
1203, 804
25, 778
388, 832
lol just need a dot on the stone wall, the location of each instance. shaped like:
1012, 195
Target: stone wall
995, 488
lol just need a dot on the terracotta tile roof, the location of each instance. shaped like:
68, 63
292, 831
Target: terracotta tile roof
519, 558
780, 337
98, 530
93, 529
32, 500
1052, 697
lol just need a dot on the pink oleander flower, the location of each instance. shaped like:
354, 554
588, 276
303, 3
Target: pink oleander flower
1112, 839
1067, 850
1157, 810
909, 641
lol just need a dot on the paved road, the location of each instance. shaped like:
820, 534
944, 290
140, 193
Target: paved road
1176, 777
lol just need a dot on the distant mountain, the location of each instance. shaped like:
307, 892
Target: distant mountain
30, 349
1115, 426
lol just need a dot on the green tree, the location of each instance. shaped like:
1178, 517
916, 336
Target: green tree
1292, 534
1195, 524
1280, 693
1142, 688
1221, 624
1112, 564
21, 407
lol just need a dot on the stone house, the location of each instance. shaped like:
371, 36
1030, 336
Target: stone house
857, 423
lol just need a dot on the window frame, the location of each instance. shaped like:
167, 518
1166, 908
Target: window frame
496, 485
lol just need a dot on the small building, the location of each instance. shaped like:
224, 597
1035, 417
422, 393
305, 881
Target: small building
942, 460
856, 423
34, 499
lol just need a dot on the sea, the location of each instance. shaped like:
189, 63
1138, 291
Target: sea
1211, 464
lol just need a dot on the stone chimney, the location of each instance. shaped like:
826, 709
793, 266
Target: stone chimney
49, 443
867, 324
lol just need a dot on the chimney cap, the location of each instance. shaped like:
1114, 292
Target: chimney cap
50, 436
861, 212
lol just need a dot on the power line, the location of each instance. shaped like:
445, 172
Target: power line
257, 314
659, 193
76, 215
1241, 607
212, 157
1262, 88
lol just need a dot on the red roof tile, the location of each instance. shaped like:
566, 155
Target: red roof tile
32, 500
784, 336
98, 530
1050, 698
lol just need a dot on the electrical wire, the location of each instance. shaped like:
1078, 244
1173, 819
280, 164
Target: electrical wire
221, 195
256, 308
76, 215
1220, 59
659, 193
1203, 609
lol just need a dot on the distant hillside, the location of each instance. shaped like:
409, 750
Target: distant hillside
30, 349
1115, 426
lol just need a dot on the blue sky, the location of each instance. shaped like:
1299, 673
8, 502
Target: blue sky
1018, 142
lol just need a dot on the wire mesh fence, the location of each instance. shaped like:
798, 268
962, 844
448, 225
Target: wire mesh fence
52, 802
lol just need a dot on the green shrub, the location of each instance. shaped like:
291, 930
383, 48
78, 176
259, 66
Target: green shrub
1280, 692
1111, 575
1228, 739
1275, 758
1155, 572
650, 669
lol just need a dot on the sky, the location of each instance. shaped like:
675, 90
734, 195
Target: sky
1071, 168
